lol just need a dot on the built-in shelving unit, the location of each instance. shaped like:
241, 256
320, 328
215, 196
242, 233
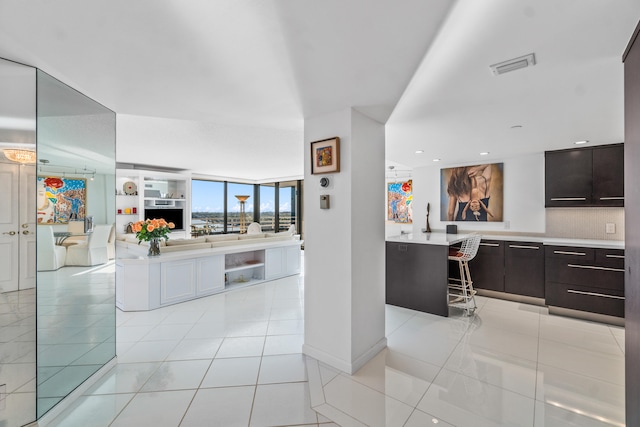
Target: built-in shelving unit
153, 191
244, 268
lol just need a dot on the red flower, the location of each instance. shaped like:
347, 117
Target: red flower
54, 183
406, 187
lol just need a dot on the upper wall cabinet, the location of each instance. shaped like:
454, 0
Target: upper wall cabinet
591, 176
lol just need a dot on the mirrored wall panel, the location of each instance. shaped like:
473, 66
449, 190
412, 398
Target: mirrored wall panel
17, 244
75, 198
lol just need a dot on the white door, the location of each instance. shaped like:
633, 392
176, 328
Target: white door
17, 249
27, 227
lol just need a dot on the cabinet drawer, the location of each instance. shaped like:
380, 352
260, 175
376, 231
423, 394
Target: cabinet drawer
570, 253
491, 248
585, 298
586, 274
525, 249
610, 258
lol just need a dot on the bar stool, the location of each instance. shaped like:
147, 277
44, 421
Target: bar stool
460, 291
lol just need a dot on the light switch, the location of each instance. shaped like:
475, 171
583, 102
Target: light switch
324, 201
610, 228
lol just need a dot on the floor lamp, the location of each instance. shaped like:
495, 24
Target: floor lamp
242, 200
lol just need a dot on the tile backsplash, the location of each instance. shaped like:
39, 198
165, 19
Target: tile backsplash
584, 223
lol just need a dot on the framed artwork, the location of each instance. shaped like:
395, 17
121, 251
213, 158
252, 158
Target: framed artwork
325, 156
472, 193
400, 202
61, 199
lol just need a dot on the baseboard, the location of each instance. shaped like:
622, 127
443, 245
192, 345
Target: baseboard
586, 315
343, 365
65, 403
511, 297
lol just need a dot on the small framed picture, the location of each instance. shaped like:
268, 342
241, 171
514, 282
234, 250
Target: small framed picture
325, 156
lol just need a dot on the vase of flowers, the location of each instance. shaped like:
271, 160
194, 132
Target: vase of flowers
152, 231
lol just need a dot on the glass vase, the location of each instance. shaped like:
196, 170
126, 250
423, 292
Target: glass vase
154, 247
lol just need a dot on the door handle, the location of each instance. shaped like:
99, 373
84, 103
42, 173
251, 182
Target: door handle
10, 233
25, 232
25, 225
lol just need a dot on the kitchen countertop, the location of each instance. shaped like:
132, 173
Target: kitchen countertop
441, 238
435, 238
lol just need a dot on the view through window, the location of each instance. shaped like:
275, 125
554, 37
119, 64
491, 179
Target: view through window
215, 211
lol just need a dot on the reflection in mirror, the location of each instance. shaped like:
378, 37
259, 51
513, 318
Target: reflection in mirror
75, 215
17, 244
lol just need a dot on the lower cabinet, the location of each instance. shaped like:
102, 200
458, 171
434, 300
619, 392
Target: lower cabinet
281, 262
487, 267
587, 279
524, 269
511, 267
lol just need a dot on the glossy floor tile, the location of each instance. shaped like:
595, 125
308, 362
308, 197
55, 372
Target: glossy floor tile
511, 364
235, 359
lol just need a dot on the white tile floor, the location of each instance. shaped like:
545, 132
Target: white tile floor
235, 359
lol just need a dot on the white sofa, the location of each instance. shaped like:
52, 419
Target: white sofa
128, 243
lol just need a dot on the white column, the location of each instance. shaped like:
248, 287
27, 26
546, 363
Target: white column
344, 245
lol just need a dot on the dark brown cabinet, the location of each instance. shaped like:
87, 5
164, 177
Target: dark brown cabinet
568, 177
487, 267
608, 175
585, 279
631, 60
524, 269
584, 177
416, 277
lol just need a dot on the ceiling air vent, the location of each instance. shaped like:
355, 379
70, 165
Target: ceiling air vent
514, 64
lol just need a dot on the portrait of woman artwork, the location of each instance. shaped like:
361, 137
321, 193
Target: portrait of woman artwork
472, 193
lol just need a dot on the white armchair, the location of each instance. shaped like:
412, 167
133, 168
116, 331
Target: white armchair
94, 251
254, 228
49, 255
74, 227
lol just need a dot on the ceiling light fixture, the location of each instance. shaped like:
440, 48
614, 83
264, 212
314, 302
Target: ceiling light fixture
19, 155
513, 64
46, 167
436, 160
419, 151
484, 153
581, 142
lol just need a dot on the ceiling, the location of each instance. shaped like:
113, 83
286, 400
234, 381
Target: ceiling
230, 82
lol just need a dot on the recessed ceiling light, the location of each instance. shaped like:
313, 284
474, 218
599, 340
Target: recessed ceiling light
484, 153
419, 151
581, 142
436, 160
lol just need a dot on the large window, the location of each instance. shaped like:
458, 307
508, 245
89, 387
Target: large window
236, 192
216, 207
268, 207
287, 204
207, 207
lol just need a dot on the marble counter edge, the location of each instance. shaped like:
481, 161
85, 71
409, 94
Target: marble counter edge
436, 238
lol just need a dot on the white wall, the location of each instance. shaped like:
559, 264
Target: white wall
327, 252
523, 198
344, 245
101, 199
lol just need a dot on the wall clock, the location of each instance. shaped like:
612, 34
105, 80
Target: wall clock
130, 188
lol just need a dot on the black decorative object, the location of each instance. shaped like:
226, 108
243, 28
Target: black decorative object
428, 226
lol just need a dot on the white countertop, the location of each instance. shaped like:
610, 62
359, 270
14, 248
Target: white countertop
560, 241
434, 238
441, 238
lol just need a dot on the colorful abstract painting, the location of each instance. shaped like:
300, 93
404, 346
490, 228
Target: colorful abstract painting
399, 202
61, 199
